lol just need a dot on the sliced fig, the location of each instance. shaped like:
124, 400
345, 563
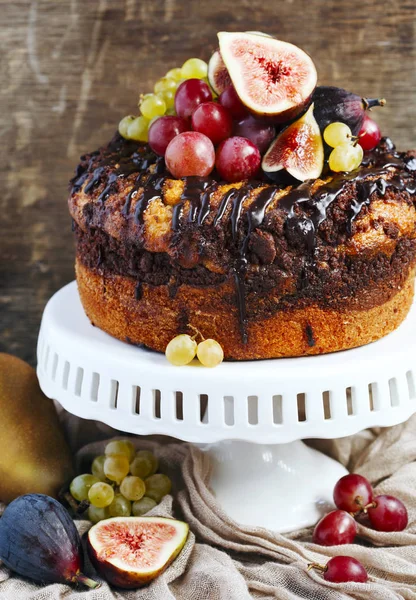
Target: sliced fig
272, 78
336, 104
298, 149
218, 76
130, 552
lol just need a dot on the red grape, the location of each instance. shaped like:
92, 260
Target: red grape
189, 94
230, 100
389, 514
369, 134
352, 493
163, 130
213, 120
340, 569
336, 528
237, 158
257, 132
190, 153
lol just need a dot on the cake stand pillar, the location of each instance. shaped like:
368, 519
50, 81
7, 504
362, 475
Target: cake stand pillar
281, 487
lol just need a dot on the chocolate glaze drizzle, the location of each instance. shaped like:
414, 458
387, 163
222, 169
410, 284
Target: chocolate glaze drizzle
306, 210
197, 191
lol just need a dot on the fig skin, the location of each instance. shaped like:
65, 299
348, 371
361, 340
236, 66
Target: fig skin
285, 118
38, 539
218, 76
125, 578
336, 104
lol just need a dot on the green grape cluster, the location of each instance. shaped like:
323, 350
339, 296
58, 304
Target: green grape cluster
162, 101
183, 348
122, 483
347, 154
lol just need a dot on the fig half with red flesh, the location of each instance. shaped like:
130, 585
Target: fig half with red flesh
272, 78
130, 552
298, 149
218, 76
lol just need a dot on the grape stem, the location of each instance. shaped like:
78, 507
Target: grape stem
359, 500
363, 509
71, 501
317, 567
197, 332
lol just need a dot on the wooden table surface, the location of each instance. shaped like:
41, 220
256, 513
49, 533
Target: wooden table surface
70, 69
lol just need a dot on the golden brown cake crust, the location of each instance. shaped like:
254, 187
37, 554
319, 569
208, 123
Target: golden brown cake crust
156, 318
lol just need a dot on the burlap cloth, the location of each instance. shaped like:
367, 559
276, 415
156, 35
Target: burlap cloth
223, 561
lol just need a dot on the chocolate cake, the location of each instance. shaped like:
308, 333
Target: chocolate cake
265, 268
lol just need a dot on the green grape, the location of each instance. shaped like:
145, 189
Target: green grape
336, 134
138, 129
175, 74
123, 126
345, 158
116, 467
165, 84
141, 507
194, 68
168, 96
101, 494
157, 486
144, 96
144, 464
120, 506
210, 353
97, 467
152, 106
171, 112
96, 514
120, 448
132, 488
80, 485
181, 350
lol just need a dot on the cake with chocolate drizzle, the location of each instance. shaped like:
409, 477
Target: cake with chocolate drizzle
271, 217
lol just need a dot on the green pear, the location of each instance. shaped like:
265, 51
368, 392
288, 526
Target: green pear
34, 455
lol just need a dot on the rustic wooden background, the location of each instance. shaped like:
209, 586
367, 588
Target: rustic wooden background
69, 69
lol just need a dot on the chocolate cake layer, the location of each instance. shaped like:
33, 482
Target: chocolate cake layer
340, 281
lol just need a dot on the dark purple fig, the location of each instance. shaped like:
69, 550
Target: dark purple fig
336, 104
298, 149
38, 539
218, 76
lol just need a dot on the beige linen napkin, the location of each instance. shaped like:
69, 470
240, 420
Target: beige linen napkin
225, 561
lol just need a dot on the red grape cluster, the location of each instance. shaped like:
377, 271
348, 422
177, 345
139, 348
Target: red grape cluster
353, 496
207, 134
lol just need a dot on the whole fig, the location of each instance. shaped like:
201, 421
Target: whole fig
336, 104
38, 539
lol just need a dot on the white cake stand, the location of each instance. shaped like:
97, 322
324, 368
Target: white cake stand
248, 415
